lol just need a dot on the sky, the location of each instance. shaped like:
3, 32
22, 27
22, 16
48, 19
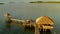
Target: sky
25, 0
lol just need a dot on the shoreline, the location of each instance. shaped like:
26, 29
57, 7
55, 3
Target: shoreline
43, 2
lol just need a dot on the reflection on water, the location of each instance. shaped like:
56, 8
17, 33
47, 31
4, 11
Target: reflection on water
20, 30
8, 24
47, 32
13, 29
41, 32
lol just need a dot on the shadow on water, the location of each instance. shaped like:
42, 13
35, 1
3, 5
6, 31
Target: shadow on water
29, 28
41, 32
28, 31
47, 32
8, 24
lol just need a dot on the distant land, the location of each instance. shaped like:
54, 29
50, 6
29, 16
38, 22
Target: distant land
1, 3
46, 2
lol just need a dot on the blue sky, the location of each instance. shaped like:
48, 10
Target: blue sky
25, 0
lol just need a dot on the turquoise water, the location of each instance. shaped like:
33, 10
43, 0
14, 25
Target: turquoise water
23, 10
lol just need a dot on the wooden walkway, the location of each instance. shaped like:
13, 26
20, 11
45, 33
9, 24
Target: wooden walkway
36, 28
17, 20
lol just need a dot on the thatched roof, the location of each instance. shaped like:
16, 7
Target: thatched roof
44, 20
6, 14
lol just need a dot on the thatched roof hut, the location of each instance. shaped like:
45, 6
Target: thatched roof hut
44, 20
6, 14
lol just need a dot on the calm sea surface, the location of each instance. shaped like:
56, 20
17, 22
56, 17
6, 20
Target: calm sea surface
23, 10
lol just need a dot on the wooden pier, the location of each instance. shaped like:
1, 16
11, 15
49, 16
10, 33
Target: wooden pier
43, 22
